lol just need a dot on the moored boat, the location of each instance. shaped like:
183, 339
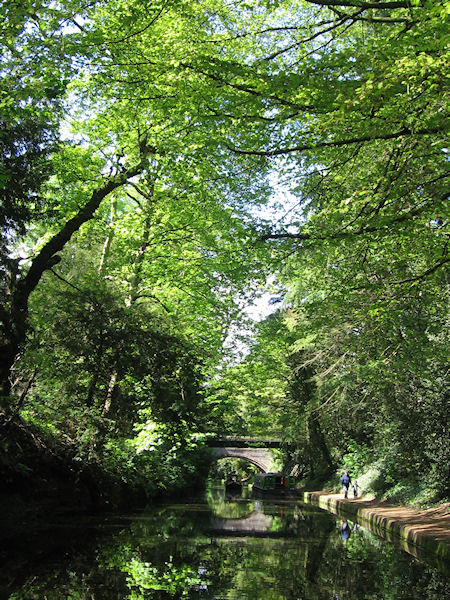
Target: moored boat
233, 483
233, 486
274, 483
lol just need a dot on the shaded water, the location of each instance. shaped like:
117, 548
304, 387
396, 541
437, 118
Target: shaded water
213, 548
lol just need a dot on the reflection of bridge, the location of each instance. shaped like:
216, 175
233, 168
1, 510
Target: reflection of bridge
254, 450
253, 524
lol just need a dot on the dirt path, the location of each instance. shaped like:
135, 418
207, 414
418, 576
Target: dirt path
426, 530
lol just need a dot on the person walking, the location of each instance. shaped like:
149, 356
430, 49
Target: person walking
346, 481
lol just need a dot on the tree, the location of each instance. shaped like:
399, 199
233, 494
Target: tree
366, 274
166, 128
354, 118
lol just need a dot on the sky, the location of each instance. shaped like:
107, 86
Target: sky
283, 208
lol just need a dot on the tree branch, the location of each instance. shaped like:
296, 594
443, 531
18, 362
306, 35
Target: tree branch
337, 143
363, 4
425, 274
43, 260
245, 88
341, 234
66, 282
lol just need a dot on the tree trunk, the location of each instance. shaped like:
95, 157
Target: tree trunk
137, 272
109, 237
318, 440
134, 285
109, 393
7, 357
14, 316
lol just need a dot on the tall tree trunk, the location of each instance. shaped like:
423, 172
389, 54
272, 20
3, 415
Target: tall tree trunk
109, 238
318, 440
15, 313
136, 279
7, 356
109, 393
21, 400
137, 270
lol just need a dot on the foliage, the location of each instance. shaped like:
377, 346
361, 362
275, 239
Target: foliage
32, 89
102, 369
221, 468
358, 126
356, 458
248, 396
145, 289
175, 581
135, 161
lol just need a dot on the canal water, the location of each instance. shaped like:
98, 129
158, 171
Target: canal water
234, 548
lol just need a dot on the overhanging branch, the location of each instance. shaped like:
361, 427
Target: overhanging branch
337, 143
341, 234
43, 260
363, 4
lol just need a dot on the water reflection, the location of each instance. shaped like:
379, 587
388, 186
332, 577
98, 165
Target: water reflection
227, 505
220, 549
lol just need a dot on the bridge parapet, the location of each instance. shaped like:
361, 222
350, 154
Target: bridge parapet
242, 442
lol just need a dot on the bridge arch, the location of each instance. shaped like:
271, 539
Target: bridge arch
262, 458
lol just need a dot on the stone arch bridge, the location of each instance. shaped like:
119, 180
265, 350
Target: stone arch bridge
254, 450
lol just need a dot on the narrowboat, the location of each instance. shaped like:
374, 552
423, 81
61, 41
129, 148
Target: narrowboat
274, 483
232, 484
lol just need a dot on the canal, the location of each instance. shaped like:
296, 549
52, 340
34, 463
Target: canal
213, 547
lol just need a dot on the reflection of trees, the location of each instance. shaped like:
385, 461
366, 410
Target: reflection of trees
169, 553
273, 568
234, 508
144, 579
368, 567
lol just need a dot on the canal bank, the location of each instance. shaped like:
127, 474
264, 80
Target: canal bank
417, 531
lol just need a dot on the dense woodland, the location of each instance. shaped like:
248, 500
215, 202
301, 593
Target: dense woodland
162, 163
